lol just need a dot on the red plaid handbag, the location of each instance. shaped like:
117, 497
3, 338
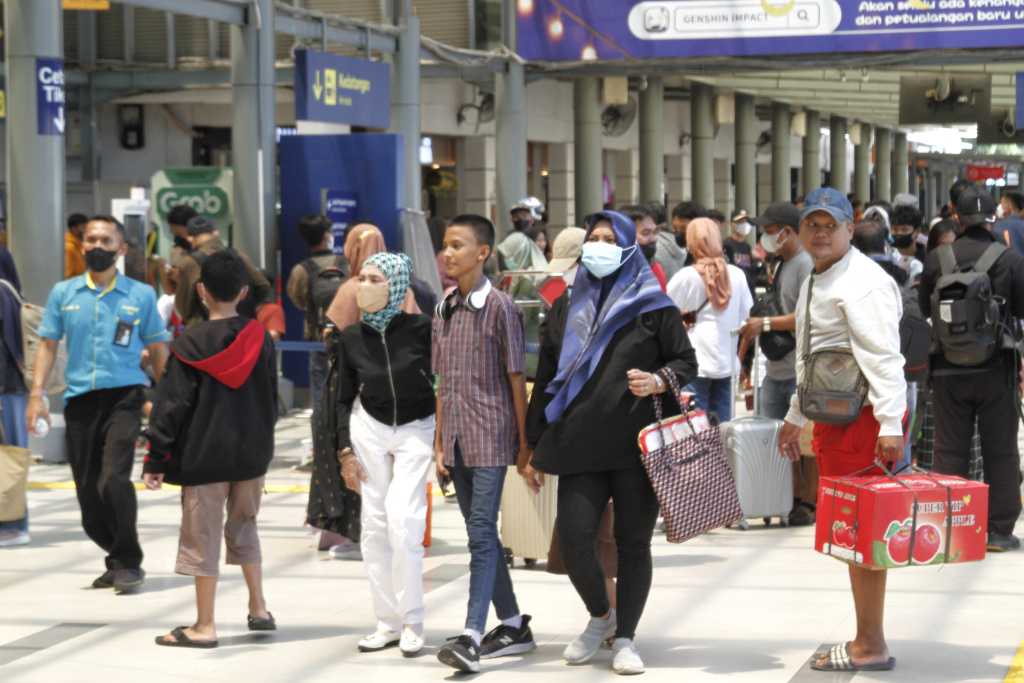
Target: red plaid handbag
691, 478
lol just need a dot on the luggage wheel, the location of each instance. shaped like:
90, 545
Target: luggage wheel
767, 521
744, 524
530, 562
784, 520
510, 558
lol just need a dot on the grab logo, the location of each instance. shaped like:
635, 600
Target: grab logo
207, 201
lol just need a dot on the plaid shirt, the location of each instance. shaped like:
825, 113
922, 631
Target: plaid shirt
473, 353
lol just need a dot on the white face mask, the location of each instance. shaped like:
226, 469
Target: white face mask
1000, 214
771, 243
742, 228
330, 241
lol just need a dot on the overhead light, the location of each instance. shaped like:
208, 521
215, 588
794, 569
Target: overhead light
544, 173
435, 166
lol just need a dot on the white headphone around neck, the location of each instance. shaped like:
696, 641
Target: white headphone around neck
474, 302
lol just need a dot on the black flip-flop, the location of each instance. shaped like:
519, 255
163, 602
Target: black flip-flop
267, 624
839, 660
182, 640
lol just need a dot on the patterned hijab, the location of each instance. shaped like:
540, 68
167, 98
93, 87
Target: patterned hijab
704, 240
396, 267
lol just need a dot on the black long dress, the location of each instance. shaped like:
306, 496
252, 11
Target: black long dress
332, 506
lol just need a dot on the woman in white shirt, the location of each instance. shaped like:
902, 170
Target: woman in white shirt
719, 295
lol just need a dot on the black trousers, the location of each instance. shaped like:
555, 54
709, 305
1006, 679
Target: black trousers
991, 396
582, 499
102, 427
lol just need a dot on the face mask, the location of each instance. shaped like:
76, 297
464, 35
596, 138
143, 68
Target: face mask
771, 243
1000, 214
649, 250
99, 260
182, 243
602, 259
742, 228
681, 239
330, 242
372, 297
521, 224
903, 241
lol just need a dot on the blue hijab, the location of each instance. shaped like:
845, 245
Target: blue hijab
598, 307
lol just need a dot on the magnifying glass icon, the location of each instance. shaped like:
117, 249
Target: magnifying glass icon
802, 15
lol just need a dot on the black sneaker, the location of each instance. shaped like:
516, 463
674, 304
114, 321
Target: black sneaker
128, 579
1000, 543
504, 640
105, 580
461, 653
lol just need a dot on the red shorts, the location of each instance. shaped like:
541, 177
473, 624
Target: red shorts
842, 451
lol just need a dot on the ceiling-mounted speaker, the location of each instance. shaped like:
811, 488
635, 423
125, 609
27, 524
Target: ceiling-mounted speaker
800, 124
725, 109
615, 90
945, 98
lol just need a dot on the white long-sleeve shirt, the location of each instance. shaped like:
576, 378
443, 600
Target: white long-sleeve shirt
857, 305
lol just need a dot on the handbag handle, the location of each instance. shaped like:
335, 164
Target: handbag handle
807, 320
673, 384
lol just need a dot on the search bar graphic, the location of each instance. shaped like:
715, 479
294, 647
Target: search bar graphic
697, 19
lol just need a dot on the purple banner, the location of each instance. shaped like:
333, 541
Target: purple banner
560, 30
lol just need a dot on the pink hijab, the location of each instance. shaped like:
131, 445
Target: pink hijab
704, 240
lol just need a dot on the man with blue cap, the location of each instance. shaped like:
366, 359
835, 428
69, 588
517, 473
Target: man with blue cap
848, 302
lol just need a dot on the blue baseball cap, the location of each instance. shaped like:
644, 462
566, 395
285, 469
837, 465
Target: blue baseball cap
829, 200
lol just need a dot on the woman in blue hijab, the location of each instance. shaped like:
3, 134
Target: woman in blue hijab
592, 396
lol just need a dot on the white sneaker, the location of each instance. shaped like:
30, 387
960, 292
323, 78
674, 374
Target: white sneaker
588, 642
378, 640
411, 642
625, 660
348, 550
12, 538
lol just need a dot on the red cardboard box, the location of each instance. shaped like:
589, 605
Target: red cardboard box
885, 521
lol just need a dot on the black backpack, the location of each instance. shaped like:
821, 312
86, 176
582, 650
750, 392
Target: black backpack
966, 315
246, 306
322, 285
915, 337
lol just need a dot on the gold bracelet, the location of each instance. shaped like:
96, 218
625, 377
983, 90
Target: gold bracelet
345, 451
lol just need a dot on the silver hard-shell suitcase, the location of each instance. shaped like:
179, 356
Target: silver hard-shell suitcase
764, 479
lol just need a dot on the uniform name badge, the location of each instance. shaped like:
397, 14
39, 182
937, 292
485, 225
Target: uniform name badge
123, 333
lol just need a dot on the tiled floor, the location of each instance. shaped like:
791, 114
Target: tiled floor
731, 605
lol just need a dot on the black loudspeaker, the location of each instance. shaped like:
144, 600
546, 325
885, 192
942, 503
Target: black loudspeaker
131, 126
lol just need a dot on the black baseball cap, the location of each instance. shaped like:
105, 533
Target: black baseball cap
975, 206
738, 214
199, 225
783, 212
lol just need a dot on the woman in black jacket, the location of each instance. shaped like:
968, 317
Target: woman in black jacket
385, 411
592, 396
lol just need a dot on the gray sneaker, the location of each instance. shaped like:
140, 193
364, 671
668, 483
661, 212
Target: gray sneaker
587, 644
1000, 543
105, 580
128, 579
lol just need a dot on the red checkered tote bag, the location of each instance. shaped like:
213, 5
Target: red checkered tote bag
692, 478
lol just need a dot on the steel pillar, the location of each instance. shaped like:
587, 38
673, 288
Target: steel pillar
652, 145
811, 149
782, 190
587, 145
746, 155
703, 143
837, 154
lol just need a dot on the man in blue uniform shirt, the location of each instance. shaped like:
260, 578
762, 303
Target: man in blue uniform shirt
108, 319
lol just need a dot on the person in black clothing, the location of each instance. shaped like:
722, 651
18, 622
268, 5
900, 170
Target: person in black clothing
385, 443
212, 433
592, 396
736, 248
1011, 228
870, 237
989, 391
907, 222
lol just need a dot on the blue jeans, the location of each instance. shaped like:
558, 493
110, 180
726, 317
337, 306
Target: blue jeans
478, 490
13, 418
712, 395
318, 365
775, 395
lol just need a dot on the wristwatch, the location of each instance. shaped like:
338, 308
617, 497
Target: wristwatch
766, 324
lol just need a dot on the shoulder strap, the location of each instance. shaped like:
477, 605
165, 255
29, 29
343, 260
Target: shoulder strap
198, 256
311, 266
989, 257
17, 295
947, 260
807, 318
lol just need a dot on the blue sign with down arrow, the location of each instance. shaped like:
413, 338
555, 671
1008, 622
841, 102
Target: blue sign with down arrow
50, 95
340, 89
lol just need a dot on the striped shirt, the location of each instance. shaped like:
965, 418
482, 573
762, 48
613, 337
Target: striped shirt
473, 353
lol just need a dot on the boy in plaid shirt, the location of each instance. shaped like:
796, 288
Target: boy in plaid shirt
479, 353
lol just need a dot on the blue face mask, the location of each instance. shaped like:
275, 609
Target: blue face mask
603, 259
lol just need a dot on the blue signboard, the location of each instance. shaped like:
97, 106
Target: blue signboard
341, 208
340, 89
50, 95
621, 29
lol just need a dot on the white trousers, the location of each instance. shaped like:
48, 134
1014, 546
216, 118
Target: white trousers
394, 513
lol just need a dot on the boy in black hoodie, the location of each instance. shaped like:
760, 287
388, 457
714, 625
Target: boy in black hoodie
212, 433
